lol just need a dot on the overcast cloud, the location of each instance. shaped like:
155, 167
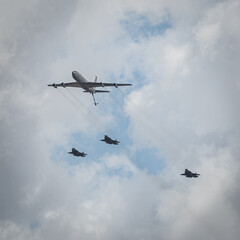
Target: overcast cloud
182, 111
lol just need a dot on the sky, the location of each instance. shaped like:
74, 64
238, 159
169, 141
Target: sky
182, 111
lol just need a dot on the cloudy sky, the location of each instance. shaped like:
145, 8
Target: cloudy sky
182, 111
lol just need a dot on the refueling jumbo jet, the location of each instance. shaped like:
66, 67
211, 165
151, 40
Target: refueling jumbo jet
90, 87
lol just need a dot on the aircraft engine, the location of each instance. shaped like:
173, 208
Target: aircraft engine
54, 85
63, 84
102, 84
115, 85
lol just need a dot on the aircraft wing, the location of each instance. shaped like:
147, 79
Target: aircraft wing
101, 84
70, 84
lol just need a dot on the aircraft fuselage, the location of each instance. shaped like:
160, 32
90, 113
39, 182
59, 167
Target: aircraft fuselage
81, 80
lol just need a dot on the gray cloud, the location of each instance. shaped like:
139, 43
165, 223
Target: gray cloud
186, 107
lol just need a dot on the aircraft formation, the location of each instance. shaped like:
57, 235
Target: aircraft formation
106, 139
90, 87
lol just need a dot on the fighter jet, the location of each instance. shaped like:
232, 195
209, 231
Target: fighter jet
108, 140
90, 87
76, 153
190, 174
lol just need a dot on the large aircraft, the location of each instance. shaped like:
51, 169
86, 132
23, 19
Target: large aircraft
190, 174
108, 140
90, 87
76, 153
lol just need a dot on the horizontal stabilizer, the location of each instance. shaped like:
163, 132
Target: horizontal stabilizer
98, 91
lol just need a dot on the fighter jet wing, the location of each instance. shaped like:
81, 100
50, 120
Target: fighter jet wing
101, 84
70, 84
